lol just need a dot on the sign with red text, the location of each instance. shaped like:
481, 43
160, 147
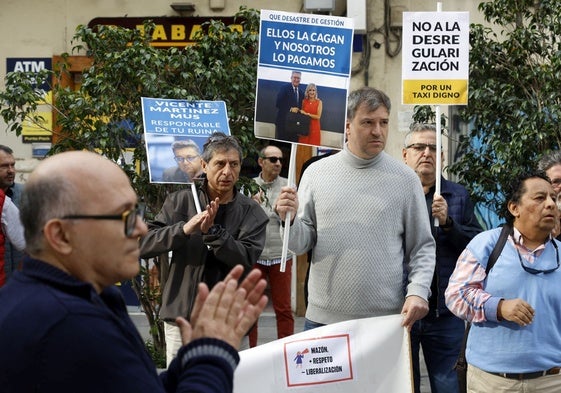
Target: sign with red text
435, 59
324, 359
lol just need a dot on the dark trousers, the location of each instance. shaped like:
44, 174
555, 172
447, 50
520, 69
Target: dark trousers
441, 340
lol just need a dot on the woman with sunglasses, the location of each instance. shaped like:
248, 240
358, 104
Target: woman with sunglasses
515, 341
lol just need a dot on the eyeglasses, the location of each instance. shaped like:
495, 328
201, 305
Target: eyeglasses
273, 159
420, 147
129, 217
183, 159
538, 271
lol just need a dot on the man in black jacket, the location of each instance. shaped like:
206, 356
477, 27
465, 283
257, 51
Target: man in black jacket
207, 244
439, 333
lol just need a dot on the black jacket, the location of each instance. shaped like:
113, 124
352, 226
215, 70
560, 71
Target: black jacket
198, 257
450, 243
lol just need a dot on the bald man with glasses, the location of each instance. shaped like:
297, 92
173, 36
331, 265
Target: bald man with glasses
65, 326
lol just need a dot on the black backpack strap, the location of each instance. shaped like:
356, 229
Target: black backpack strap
507, 229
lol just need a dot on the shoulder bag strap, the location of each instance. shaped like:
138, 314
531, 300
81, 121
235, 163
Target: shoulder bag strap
507, 229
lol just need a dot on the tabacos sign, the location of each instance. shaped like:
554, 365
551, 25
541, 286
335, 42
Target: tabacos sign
169, 31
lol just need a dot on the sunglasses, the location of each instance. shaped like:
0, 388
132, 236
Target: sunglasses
420, 147
538, 271
129, 217
273, 159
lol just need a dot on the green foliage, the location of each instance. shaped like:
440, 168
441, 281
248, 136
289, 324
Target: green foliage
20, 100
147, 288
158, 356
105, 114
425, 114
514, 95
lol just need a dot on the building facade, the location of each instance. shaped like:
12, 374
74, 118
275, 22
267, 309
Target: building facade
37, 30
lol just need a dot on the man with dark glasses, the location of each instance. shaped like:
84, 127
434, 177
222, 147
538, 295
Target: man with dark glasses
269, 263
514, 342
65, 327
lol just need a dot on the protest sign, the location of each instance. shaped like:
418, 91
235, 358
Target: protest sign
435, 60
175, 132
364, 355
297, 51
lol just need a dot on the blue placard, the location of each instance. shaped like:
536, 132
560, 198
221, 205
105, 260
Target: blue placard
303, 77
169, 122
323, 49
181, 117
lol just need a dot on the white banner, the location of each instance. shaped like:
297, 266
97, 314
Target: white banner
363, 355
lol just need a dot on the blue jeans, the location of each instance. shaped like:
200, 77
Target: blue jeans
309, 325
441, 340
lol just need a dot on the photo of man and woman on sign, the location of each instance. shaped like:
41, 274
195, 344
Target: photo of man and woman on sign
292, 110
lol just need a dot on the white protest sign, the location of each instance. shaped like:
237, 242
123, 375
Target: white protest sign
363, 355
327, 359
435, 60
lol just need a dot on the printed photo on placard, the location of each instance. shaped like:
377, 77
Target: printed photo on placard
175, 132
